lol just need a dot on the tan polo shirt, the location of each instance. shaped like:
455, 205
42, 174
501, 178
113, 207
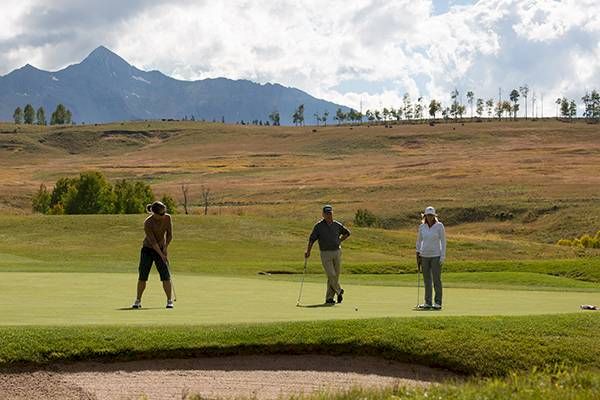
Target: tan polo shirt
158, 232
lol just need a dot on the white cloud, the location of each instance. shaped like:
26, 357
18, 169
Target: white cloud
396, 46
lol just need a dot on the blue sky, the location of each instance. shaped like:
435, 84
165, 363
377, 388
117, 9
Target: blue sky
443, 6
363, 51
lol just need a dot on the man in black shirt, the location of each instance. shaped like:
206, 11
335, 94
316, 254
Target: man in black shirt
330, 234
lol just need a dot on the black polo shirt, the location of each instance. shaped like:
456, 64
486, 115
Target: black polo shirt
328, 235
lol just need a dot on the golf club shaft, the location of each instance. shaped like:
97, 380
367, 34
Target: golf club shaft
302, 283
172, 283
418, 281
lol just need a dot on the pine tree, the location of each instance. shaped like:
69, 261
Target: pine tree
60, 116
28, 114
41, 116
18, 116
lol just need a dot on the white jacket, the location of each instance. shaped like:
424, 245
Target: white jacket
431, 242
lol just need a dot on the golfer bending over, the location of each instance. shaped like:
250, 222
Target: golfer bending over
330, 235
431, 253
159, 233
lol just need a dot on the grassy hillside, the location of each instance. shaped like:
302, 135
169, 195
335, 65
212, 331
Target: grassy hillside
247, 245
510, 180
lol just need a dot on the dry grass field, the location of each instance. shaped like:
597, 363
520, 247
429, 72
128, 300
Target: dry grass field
542, 174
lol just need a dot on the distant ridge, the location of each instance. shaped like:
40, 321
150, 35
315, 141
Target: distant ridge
104, 88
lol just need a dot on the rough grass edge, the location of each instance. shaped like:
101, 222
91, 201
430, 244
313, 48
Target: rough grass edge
481, 346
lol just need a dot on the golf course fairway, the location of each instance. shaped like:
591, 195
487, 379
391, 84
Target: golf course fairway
101, 298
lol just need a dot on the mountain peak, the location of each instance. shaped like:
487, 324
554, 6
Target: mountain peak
29, 67
26, 70
102, 50
104, 57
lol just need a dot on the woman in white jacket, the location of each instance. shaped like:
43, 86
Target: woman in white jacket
431, 253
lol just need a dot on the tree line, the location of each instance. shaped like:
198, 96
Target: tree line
28, 115
92, 193
479, 107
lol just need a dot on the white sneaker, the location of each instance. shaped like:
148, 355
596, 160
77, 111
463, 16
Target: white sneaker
424, 306
169, 303
137, 304
437, 306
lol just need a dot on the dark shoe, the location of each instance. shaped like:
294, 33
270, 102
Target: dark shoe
340, 296
330, 301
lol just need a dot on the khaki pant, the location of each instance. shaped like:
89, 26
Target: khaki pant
332, 264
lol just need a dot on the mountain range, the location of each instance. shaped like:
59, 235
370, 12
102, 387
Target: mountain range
105, 88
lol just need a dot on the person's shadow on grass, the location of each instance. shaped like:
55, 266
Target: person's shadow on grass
316, 305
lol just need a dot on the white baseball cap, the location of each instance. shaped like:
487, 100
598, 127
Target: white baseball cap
430, 211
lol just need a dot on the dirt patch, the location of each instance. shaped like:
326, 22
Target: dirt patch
261, 377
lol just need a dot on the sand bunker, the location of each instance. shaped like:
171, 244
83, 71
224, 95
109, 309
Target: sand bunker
261, 377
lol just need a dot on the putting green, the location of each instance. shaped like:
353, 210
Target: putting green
101, 298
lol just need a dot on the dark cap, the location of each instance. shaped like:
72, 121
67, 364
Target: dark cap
327, 208
157, 207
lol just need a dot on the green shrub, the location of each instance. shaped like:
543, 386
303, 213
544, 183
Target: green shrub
41, 200
57, 209
91, 193
586, 241
61, 188
170, 203
365, 218
131, 197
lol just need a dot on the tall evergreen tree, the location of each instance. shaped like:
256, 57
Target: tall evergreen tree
59, 116
18, 116
41, 116
28, 114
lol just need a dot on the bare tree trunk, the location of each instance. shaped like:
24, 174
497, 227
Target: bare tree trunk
206, 199
184, 189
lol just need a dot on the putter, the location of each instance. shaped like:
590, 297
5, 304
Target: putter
302, 283
172, 283
418, 282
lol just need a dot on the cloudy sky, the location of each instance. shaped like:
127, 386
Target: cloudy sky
369, 51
